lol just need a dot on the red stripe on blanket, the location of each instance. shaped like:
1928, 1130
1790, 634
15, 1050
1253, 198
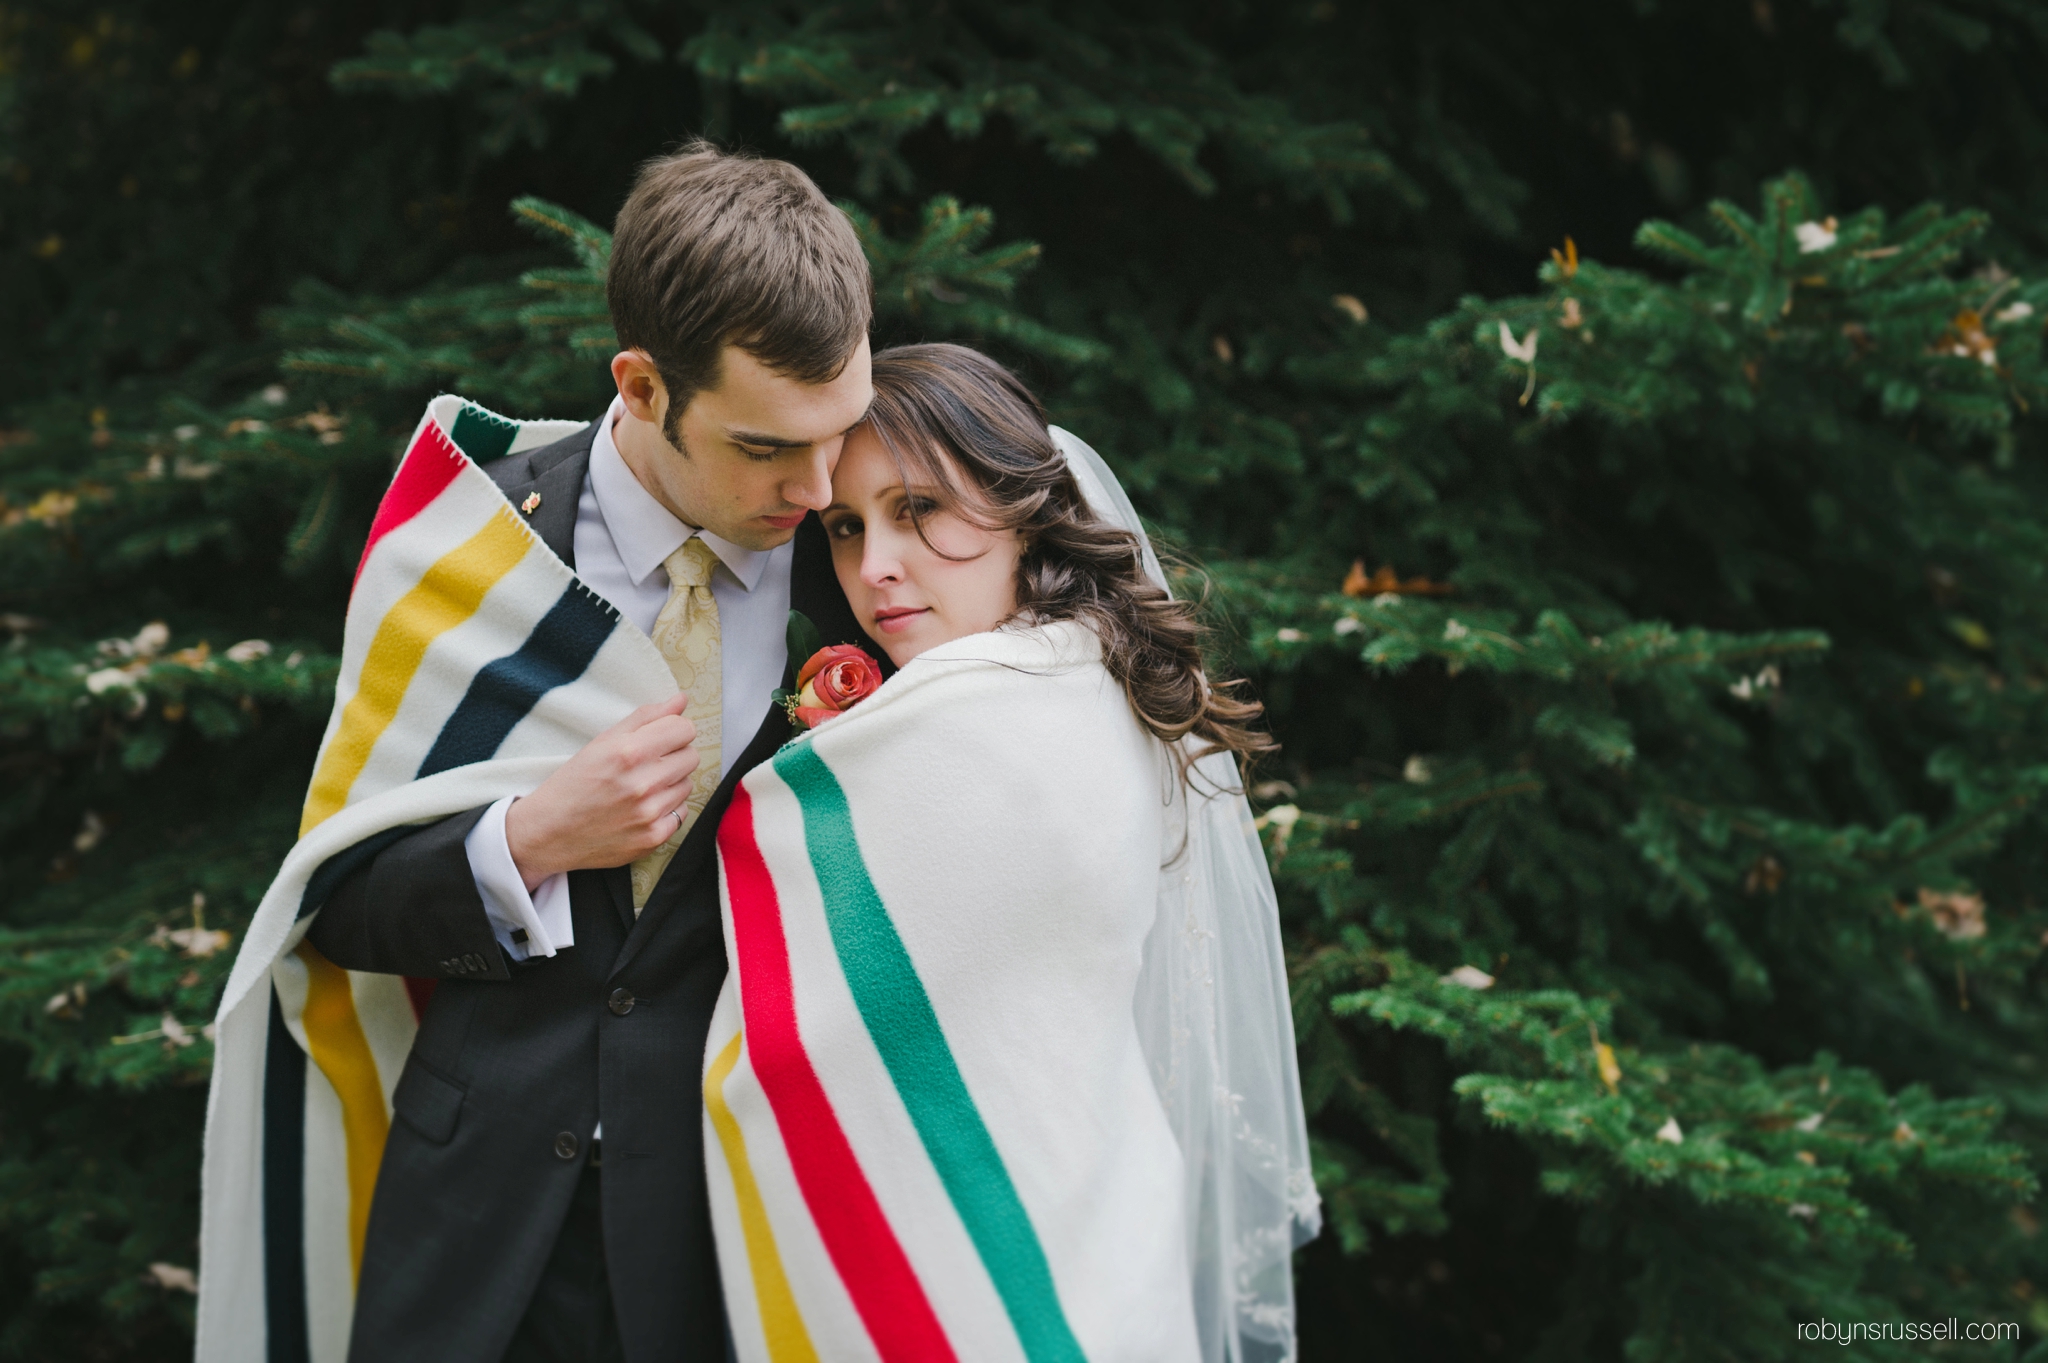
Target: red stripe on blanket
429, 467
864, 1249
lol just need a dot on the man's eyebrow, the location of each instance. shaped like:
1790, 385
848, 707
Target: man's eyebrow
772, 441
778, 442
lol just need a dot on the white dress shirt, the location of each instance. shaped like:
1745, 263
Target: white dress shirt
623, 536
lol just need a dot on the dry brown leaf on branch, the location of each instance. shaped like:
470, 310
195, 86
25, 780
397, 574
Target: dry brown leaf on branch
1386, 582
172, 1277
1604, 1061
1966, 339
1766, 873
1957, 915
1610, 1068
1567, 259
197, 941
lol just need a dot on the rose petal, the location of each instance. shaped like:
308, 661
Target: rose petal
826, 656
838, 676
846, 681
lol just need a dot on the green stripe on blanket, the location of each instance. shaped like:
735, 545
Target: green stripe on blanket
899, 1016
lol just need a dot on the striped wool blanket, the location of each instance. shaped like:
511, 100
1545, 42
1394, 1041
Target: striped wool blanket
931, 1131
473, 663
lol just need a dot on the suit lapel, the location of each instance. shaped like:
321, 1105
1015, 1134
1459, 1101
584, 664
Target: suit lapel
554, 486
813, 590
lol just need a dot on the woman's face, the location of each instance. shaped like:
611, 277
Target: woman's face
909, 595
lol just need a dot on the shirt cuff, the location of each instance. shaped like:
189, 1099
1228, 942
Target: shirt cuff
526, 925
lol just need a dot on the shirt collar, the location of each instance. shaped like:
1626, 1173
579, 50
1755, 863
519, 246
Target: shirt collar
644, 531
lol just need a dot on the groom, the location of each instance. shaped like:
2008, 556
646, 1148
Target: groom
542, 1192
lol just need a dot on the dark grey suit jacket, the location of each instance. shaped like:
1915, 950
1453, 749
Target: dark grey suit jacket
515, 1064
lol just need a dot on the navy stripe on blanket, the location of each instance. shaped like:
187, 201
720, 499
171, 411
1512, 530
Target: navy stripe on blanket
284, 1193
556, 653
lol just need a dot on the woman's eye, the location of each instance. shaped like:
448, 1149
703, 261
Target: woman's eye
844, 529
919, 507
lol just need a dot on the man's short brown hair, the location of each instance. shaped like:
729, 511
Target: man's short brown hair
714, 249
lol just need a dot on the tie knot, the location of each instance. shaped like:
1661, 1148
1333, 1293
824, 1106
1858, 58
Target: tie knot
690, 566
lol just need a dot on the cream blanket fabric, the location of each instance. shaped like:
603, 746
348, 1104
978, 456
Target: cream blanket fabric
931, 1129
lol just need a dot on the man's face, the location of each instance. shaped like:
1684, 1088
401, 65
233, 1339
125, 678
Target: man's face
757, 451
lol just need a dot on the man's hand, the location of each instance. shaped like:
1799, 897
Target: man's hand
611, 803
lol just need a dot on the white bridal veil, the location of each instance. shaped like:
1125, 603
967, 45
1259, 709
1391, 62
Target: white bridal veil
1213, 1014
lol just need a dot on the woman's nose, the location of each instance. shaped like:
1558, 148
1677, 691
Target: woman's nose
879, 562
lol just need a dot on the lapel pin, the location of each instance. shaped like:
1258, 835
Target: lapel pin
531, 504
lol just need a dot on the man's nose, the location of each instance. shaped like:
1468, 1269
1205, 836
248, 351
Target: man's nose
813, 489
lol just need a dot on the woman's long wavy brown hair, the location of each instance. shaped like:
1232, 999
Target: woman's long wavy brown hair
944, 410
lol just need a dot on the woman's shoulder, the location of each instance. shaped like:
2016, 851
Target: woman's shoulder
1035, 675
1025, 709
1052, 645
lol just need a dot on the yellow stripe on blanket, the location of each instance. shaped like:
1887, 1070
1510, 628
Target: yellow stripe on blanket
788, 1341
334, 1034
448, 594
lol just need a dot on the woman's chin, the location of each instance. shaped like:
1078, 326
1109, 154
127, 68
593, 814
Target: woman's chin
914, 643
904, 637
909, 640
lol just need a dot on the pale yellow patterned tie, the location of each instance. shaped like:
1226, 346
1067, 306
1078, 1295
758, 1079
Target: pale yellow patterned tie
686, 632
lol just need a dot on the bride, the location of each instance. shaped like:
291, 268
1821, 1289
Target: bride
1003, 1068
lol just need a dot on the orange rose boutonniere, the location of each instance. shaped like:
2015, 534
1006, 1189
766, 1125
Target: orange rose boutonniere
832, 680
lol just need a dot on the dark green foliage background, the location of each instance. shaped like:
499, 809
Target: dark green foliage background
1740, 679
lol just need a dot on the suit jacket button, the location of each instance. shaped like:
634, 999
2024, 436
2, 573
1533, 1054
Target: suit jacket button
565, 1145
622, 1001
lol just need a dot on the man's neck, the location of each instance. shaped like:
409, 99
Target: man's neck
634, 440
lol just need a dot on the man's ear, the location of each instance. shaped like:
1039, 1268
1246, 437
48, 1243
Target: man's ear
640, 385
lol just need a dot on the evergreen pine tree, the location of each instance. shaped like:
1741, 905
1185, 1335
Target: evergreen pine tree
1650, 615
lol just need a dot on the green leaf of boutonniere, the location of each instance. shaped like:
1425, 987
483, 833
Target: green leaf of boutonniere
804, 639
